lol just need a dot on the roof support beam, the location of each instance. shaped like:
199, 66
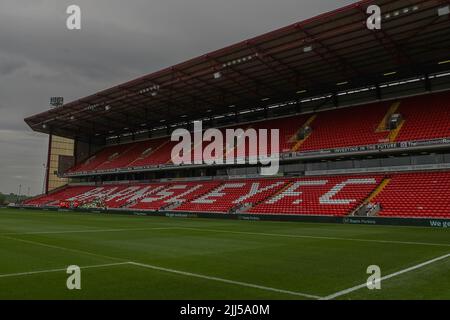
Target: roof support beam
299, 76
224, 92
344, 65
398, 54
256, 82
262, 55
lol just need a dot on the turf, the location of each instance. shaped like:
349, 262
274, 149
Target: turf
174, 258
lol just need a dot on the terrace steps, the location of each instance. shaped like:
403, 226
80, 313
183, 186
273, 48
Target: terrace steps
130, 204
378, 190
299, 143
382, 127
149, 154
394, 133
117, 155
283, 188
227, 151
199, 196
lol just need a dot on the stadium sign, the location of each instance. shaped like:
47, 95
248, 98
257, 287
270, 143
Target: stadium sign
394, 221
373, 147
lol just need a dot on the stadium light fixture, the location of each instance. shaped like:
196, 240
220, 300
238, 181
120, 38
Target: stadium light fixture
152, 89
217, 75
265, 99
444, 62
399, 12
443, 11
342, 83
301, 91
307, 49
442, 75
389, 73
239, 60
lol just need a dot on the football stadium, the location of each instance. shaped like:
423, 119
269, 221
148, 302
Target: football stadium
159, 188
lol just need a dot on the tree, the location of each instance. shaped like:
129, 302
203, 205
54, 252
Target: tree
2, 198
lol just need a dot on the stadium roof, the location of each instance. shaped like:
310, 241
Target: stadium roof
327, 53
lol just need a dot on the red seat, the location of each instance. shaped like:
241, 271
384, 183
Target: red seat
332, 196
426, 117
416, 195
424, 194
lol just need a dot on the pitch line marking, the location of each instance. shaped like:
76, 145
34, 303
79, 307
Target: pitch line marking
10, 275
319, 237
228, 231
305, 295
239, 283
392, 275
36, 243
85, 231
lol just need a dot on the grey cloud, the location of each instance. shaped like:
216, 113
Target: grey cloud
119, 40
10, 65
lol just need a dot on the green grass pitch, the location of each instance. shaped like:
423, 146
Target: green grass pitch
135, 257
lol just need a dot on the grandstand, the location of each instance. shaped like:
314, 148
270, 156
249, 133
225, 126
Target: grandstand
364, 120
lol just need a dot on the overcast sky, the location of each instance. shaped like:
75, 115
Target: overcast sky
119, 40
